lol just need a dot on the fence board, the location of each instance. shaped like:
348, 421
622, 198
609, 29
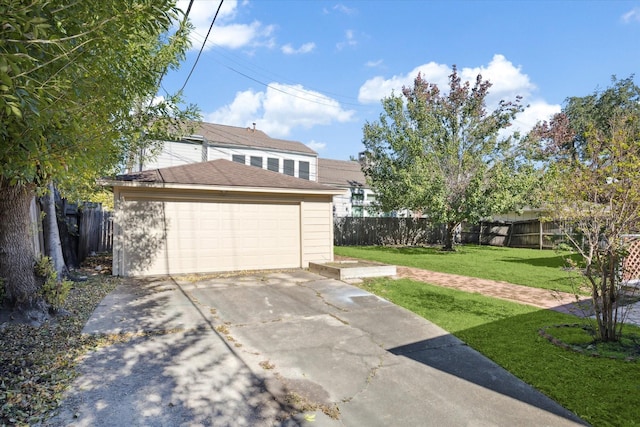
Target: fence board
95, 231
356, 231
350, 231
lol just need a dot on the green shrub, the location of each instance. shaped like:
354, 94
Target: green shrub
53, 291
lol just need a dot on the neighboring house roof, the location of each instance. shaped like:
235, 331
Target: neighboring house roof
341, 173
221, 173
232, 136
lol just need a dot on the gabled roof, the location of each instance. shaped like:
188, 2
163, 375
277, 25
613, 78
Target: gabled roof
341, 173
221, 173
232, 136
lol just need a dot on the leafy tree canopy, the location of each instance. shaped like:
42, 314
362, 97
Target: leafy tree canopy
76, 83
445, 155
592, 155
71, 76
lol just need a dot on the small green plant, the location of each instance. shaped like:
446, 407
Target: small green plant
582, 338
53, 291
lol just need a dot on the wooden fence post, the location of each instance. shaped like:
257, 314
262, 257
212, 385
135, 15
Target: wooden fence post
541, 236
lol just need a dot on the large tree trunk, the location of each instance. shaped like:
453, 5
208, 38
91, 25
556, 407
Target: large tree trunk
53, 244
449, 236
16, 253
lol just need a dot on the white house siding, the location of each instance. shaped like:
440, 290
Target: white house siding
216, 152
317, 232
175, 154
344, 206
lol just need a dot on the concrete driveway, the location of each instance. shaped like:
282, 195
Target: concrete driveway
287, 348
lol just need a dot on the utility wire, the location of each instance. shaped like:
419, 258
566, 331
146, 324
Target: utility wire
321, 94
202, 47
260, 70
291, 94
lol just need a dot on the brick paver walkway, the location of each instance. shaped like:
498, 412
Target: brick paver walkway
543, 298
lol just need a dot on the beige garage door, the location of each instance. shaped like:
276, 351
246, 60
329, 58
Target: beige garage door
198, 237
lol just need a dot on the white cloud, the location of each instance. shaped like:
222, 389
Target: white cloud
374, 64
340, 8
344, 9
631, 16
508, 81
373, 90
280, 109
235, 36
349, 41
243, 110
537, 111
316, 146
225, 32
287, 49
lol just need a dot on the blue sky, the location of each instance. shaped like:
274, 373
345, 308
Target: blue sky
315, 71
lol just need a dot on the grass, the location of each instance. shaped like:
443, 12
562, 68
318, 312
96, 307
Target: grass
529, 267
602, 391
37, 365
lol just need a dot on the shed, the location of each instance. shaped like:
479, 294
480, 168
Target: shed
218, 216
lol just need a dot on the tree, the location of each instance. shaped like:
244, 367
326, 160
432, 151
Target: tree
443, 154
70, 76
592, 154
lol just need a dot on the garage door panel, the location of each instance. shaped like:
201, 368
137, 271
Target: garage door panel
201, 237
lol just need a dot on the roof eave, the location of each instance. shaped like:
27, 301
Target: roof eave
330, 191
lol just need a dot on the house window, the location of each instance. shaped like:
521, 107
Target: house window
273, 164
289, 167
303, 171
256, 161
238, 158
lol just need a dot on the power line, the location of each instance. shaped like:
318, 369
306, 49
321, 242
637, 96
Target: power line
257, 69
322, 94
288, 93
202, 47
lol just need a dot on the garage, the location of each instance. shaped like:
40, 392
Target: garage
219, 216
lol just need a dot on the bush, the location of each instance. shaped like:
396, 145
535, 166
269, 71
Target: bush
53, 290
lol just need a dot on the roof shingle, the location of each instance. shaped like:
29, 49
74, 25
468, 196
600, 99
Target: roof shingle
341, 173
233, 136
223, 173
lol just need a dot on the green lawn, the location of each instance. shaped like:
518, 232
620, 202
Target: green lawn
604, 392
529, 267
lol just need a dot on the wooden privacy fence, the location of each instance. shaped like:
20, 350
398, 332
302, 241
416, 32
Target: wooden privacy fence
95, 231
84, 229
351, 231
355, 231
531, 234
